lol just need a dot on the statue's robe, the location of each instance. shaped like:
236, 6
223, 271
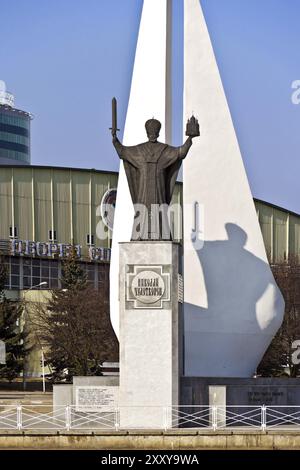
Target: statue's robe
151, 169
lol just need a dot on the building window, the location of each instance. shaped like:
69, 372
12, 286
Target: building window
13, 273
23, 157
13, 232
52, 235
90, 239
26, 273
15, 120
36, 271
18, 139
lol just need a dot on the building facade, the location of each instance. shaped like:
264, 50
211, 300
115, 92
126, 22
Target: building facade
281, 231
14, 132
45, 210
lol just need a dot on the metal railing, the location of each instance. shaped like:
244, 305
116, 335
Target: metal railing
214, 418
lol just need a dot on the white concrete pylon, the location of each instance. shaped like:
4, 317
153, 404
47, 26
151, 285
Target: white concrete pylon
150, 96
233, 306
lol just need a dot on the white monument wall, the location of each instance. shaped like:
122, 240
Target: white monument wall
233, 306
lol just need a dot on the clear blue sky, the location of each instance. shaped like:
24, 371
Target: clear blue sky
65, 59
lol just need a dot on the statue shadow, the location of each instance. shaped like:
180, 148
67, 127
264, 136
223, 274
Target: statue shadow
235, 280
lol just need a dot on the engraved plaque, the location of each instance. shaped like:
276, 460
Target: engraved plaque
147, 286
96, 398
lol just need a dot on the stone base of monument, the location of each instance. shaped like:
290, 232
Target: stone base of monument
150, 333
234, 396
93, 399
87, 392
233, 391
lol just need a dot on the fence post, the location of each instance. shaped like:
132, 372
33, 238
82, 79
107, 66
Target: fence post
263, 418
214, 417
165, 418
19, 417
117, 419
68, 417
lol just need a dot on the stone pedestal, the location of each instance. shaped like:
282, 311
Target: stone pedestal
89, 392
217, 397
150, 333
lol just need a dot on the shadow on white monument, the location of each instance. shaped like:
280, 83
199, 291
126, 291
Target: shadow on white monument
239, 285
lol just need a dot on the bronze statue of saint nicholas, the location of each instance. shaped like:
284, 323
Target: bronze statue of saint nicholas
151, 169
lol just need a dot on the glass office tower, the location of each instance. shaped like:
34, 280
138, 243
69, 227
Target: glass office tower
14, 132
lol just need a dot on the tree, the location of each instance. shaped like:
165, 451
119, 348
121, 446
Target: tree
278, 359
73, 275
75, 326
10, 331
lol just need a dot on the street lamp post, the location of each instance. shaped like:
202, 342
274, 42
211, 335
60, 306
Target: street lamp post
44, 283
43, 370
